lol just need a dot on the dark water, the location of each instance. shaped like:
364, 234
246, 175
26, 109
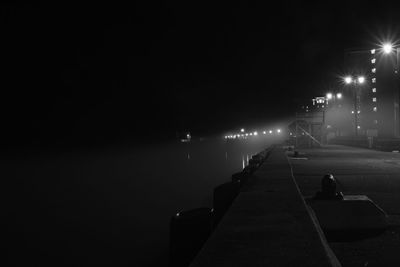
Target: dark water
110, 206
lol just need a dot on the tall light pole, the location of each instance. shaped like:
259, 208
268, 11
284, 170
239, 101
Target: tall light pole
355, 81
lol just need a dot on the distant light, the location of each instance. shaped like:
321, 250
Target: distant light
242, 130
279, 130
264, 132
226, 137
329, 96
387, 48
255, 133
339, 95
358, 111
361, 79
352, 112
270, 131
358, 127
290, 134
242, 135
247, 134
251, 133
372, 51
348, 79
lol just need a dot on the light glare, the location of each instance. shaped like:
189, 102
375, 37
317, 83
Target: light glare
361, 79
348, 80
387, 48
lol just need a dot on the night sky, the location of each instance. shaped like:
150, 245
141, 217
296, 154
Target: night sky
80, 73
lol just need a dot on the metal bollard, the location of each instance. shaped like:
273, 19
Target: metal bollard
328, 189
224, 195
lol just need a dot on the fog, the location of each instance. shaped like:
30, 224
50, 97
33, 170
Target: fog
111, 206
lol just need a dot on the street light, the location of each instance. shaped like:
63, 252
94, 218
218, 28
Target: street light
355, 82
387, 48
348, 80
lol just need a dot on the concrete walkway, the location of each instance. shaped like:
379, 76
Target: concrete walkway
268, 225
363, 172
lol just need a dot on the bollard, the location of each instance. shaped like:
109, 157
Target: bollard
349, 217
189, 230
224, 195
258, 157
253, 162
328, 189
249, 170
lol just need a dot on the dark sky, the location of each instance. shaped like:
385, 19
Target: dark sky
117, 70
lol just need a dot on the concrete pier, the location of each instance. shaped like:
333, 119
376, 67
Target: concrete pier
358, 171
268, 224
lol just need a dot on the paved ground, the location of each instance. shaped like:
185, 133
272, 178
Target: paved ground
267, 225
358, 171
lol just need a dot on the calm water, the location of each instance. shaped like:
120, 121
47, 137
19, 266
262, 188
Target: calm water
111, 206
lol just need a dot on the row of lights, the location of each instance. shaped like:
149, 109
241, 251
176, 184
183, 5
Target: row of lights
359, 79
330, 96
242, 134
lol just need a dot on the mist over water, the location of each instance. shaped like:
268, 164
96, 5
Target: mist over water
112, 206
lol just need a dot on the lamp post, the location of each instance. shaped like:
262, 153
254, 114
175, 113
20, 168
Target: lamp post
355, 81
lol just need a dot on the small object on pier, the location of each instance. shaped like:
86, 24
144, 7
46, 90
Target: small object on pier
328, 189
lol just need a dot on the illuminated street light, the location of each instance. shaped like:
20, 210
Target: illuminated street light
361, 79
270, 131
348, 80
339, 95
247, 134
279, 130
255, 133
242, 130
329, 96
264, 132
387, 48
